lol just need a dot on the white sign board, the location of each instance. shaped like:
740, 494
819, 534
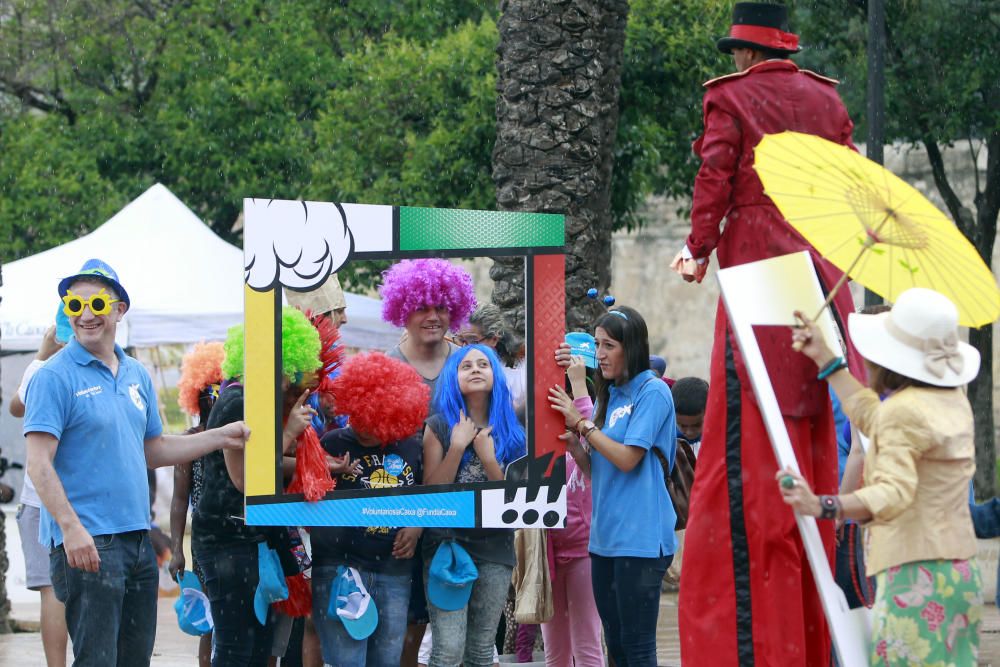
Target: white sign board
767, 293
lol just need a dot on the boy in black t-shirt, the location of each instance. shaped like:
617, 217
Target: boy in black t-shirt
375, 466
385, 401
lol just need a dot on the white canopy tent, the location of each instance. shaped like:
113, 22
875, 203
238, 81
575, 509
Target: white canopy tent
185, 283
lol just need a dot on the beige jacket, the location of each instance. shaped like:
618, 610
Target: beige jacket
917, 472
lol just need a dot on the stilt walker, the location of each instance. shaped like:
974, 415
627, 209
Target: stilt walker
747, 595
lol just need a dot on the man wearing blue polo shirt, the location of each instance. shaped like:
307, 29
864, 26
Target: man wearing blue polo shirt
92, 428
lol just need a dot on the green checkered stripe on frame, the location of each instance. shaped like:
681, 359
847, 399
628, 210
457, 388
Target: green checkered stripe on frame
457, 229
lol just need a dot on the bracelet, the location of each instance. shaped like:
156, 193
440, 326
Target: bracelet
589, 431
831, 367
829, 507
576, 426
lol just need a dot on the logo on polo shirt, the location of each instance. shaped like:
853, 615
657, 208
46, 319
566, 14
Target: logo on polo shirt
89, 391
618, 413
133, 392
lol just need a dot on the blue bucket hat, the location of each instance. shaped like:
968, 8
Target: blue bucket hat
271, 586
95, 268
194, 613
582, 344
352, 604
450, 577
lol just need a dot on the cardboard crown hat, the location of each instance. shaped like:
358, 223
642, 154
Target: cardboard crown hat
760, 26
328, 296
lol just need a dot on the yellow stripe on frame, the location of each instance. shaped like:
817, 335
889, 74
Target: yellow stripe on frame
259, 360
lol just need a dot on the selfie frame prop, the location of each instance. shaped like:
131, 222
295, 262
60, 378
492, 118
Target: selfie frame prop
296, 245
767, 293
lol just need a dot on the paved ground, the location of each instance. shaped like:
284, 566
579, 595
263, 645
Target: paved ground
669, 651
175, 649
24, 649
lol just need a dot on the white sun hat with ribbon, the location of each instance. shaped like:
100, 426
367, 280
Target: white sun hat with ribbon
918, 338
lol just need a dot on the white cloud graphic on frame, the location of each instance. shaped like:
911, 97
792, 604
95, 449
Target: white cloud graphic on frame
294, 244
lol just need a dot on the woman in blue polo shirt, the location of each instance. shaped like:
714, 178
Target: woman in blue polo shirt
632, 529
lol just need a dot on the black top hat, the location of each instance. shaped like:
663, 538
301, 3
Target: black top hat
760, 26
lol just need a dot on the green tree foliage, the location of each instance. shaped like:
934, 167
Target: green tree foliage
233, 116
52, 191
669, 52
220, 101
411, 123
375, 102
942, 73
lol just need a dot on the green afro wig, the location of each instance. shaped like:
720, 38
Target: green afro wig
300, 347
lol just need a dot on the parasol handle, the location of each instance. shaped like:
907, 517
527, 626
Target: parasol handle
870, 240
797, 346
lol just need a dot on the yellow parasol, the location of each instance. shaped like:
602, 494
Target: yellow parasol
872, 225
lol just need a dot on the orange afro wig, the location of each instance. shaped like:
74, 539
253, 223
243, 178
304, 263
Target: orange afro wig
201, 368
382, 397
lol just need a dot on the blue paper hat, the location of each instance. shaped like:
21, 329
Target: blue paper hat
271, 586
194, 613
352, 604
450, 577
582, 344
95, 268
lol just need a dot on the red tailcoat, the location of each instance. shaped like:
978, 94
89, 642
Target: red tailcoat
747, 596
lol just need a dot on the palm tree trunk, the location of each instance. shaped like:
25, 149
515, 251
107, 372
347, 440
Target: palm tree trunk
4, 566
5, 626
559, 71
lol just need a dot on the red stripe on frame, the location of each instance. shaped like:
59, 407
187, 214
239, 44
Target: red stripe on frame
549, 299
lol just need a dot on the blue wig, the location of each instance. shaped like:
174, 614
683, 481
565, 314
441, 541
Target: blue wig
508, 436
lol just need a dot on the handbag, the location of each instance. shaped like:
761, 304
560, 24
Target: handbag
679, 480
533, 602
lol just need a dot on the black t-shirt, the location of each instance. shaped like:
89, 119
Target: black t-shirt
492, 545
213, 523
367, 548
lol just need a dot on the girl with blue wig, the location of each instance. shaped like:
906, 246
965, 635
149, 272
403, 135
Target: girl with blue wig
472, 436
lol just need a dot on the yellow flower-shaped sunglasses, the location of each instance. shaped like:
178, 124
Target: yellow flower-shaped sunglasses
100, 303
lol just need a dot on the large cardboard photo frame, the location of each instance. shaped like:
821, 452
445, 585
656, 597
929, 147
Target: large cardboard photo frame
296, 245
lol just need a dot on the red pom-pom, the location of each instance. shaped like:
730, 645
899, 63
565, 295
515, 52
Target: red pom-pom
299, 600
331, 354
312, 473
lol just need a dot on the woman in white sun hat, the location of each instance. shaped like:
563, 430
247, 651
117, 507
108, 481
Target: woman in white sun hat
914, 499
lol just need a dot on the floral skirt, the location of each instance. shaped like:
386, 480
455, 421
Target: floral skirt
927, 613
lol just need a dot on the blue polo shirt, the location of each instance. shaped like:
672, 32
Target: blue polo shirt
101, 422
632, 514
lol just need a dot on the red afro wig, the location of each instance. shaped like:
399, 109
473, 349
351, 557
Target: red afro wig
381, 397
202, 367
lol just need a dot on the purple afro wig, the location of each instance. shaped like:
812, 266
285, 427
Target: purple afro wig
413, 284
